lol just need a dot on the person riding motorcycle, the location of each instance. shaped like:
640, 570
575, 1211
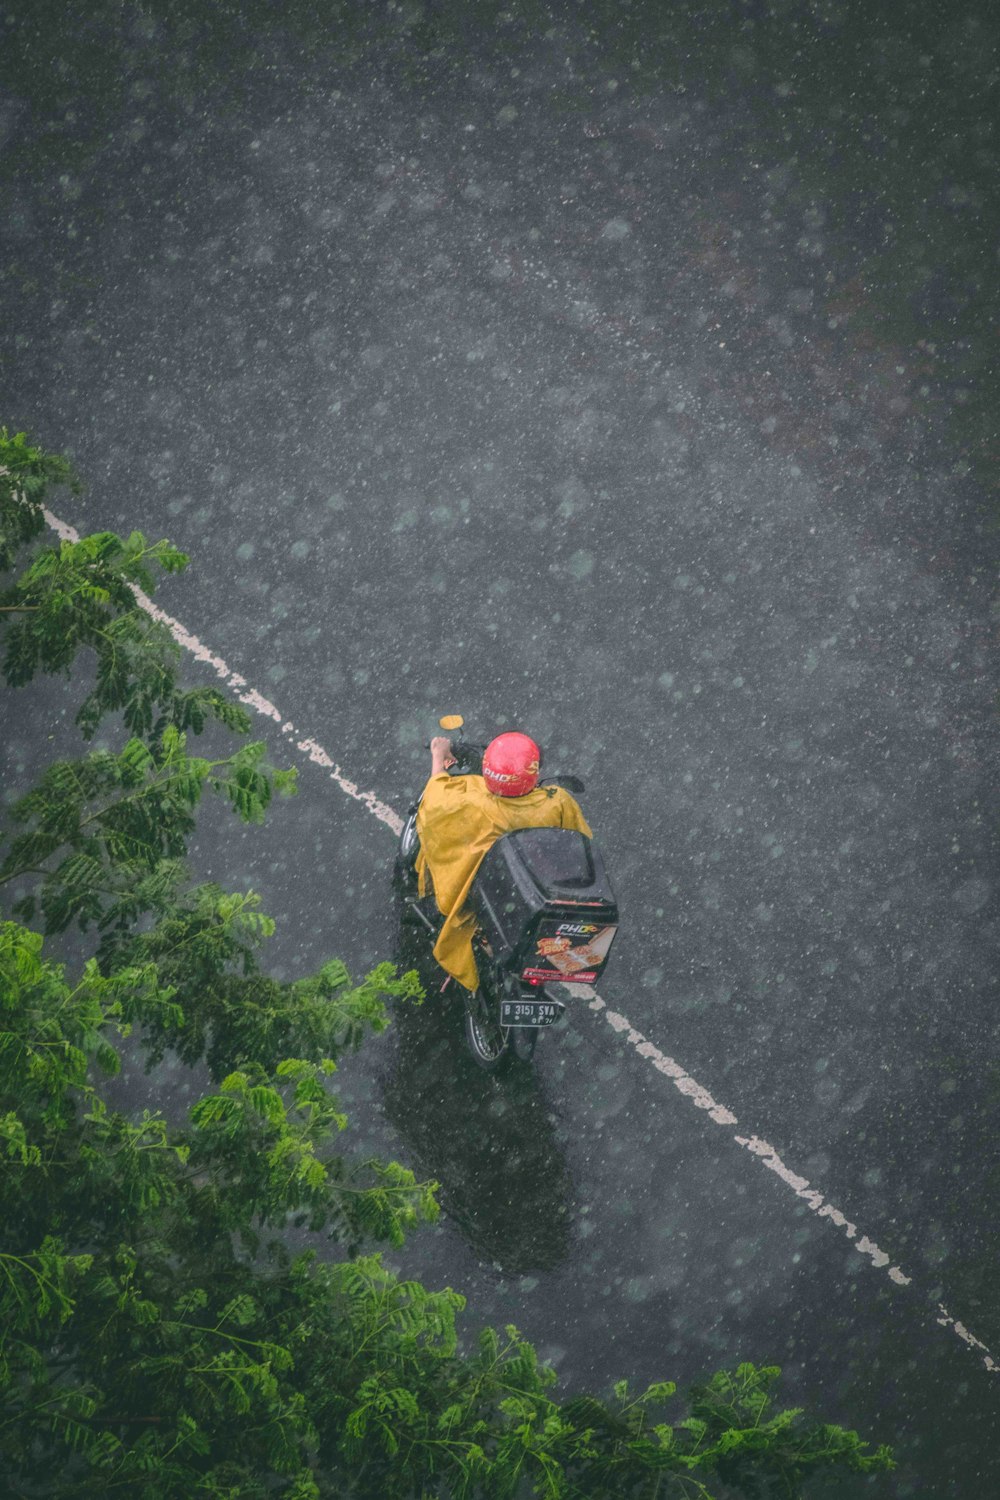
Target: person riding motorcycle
461, 817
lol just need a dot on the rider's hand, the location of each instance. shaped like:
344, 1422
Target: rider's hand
441, 756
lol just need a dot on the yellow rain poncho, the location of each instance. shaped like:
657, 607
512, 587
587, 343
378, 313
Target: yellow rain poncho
458, 821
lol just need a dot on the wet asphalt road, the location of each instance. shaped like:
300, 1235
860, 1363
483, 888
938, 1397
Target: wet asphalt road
512, 389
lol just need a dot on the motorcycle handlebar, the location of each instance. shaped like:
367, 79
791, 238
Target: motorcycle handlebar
468, 756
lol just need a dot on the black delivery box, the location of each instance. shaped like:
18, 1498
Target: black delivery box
545, 904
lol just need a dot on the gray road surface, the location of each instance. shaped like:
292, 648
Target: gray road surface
475, 377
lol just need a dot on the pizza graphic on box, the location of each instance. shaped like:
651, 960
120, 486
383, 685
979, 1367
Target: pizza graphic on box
571, 951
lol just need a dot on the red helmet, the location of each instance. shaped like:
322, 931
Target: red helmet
510, 765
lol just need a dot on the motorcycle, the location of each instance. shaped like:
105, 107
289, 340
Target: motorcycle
545, 912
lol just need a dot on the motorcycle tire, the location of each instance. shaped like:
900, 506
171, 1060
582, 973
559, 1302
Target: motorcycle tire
404, 890
487, 1040
522, 1042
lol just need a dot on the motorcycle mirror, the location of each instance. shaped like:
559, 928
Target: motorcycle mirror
570, 783
451, 721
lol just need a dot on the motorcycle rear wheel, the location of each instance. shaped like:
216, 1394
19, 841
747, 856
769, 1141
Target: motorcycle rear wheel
487, 1040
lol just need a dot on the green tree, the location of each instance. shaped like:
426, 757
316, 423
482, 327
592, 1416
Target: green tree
159, 1334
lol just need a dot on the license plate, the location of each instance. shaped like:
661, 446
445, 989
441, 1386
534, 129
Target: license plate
529, 1012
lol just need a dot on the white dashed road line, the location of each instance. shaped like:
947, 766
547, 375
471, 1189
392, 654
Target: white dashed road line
247, 694
648, 1051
